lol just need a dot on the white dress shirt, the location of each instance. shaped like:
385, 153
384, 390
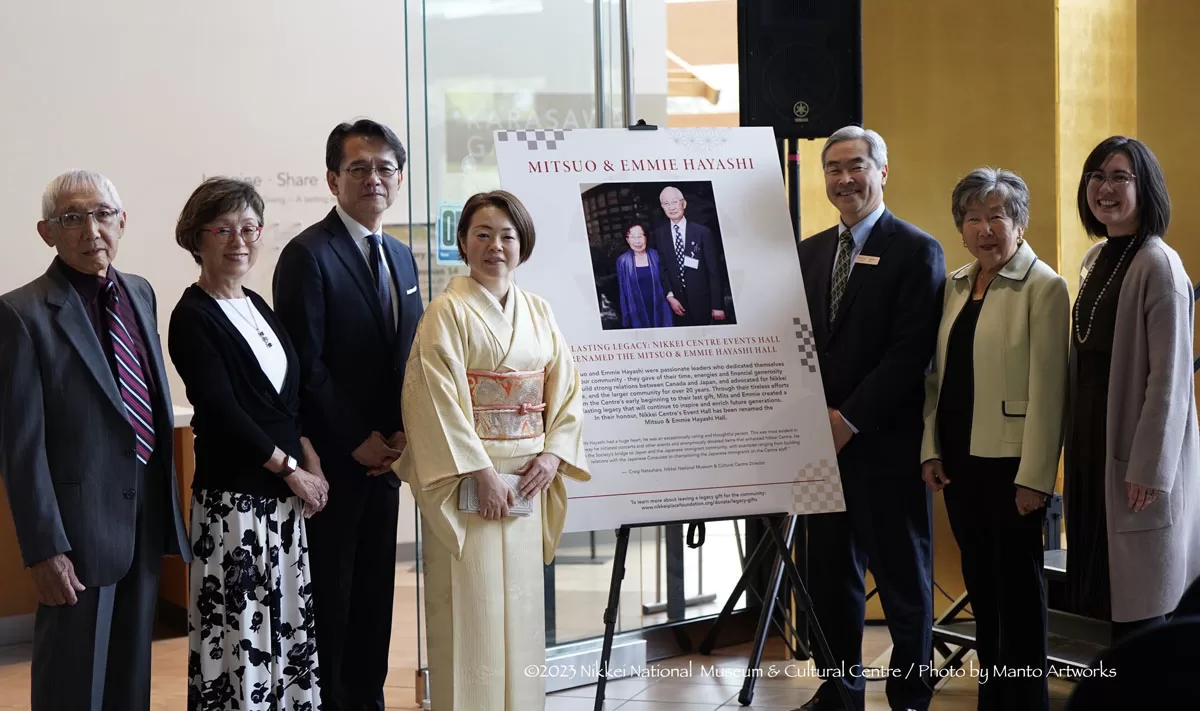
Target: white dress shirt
361, 235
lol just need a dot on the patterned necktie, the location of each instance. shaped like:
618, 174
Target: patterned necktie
841, 273
379, 274
131, 379
679, 252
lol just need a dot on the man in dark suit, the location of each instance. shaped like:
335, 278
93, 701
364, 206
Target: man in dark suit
688, 264
86, 453
347, 294
872, 286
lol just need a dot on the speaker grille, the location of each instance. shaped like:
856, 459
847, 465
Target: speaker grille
800, 65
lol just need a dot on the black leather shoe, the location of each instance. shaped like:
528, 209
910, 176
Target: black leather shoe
814, 704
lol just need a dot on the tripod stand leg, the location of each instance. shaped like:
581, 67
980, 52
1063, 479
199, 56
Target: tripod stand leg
805, 602
610, 612
764, 618
757, 557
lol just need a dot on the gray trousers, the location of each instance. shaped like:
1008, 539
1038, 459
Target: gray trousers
95, 655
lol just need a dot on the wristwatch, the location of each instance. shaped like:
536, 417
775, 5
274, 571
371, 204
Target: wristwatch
290, 465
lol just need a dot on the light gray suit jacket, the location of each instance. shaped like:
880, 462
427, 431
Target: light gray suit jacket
66, 446
1152, 436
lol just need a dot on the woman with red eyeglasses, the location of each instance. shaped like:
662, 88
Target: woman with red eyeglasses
251, 644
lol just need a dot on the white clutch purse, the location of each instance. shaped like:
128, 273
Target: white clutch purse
468, 496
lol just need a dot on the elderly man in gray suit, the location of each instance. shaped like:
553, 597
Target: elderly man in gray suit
86, 454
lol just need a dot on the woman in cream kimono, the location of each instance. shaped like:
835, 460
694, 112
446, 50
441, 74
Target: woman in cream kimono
490, 390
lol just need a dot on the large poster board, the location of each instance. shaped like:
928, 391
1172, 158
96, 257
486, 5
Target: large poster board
708, 404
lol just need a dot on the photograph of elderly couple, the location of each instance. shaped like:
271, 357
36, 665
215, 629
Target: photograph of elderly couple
657, 255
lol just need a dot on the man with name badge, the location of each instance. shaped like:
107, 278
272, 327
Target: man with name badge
872, 285
688, 266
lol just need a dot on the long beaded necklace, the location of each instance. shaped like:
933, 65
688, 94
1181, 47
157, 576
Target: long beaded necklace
252, 321
1092, 316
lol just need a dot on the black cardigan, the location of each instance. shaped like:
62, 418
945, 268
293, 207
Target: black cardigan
239, 417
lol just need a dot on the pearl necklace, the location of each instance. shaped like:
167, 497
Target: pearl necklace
1092, 316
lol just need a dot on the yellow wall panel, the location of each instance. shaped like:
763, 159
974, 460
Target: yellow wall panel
955, 85
1168, 106
1097, 79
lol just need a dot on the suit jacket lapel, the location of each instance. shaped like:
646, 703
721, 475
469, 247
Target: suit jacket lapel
76, 326
876, 244
819, 308
143, 313
351, 256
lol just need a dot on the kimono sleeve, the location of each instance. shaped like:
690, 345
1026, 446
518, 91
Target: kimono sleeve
564, 407
436, 405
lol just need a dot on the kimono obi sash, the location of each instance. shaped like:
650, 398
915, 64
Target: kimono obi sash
507, 405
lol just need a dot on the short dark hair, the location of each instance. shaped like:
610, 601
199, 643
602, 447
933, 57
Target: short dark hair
215, 197
335, 147
511, 206
631, 225
1153, 200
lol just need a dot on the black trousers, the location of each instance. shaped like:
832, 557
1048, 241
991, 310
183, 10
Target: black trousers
95, 655
1003, 569
352, 551
886, 527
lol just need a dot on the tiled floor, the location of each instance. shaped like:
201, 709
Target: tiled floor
692, 683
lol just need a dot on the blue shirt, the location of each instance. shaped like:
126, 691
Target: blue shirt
859, 233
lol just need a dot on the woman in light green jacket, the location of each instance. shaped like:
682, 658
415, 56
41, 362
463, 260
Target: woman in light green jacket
994, 409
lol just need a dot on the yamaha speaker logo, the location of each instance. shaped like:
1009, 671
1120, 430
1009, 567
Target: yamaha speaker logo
800, 111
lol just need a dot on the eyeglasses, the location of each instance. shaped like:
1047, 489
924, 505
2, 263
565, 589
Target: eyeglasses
74, 220
1117, 180
248, 233
359, 171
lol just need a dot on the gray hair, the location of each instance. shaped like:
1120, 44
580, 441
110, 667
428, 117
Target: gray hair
981, 184
876, 148
74, 180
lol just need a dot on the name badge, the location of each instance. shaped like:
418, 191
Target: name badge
866, 259
691, 262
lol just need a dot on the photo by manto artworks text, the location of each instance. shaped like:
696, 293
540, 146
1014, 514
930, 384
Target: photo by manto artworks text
704, 400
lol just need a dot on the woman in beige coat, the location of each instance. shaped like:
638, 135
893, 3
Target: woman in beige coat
1132, 454
993, 427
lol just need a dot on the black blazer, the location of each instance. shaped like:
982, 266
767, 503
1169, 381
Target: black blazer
66, 446
239, 417
326, 300
703, 294
875, 356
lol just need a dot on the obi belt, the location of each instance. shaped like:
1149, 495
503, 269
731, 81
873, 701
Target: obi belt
507, 405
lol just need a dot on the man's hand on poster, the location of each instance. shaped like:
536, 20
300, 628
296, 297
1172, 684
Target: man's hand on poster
675, 305
841, 431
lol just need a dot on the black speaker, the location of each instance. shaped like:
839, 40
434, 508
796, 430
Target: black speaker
800, 65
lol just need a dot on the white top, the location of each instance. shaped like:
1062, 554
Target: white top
250, 322
360, 235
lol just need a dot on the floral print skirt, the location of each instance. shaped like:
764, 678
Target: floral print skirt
251, 645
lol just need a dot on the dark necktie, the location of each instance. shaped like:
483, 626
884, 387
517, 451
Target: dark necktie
131, 379
382, 290
841, 273
679, 253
